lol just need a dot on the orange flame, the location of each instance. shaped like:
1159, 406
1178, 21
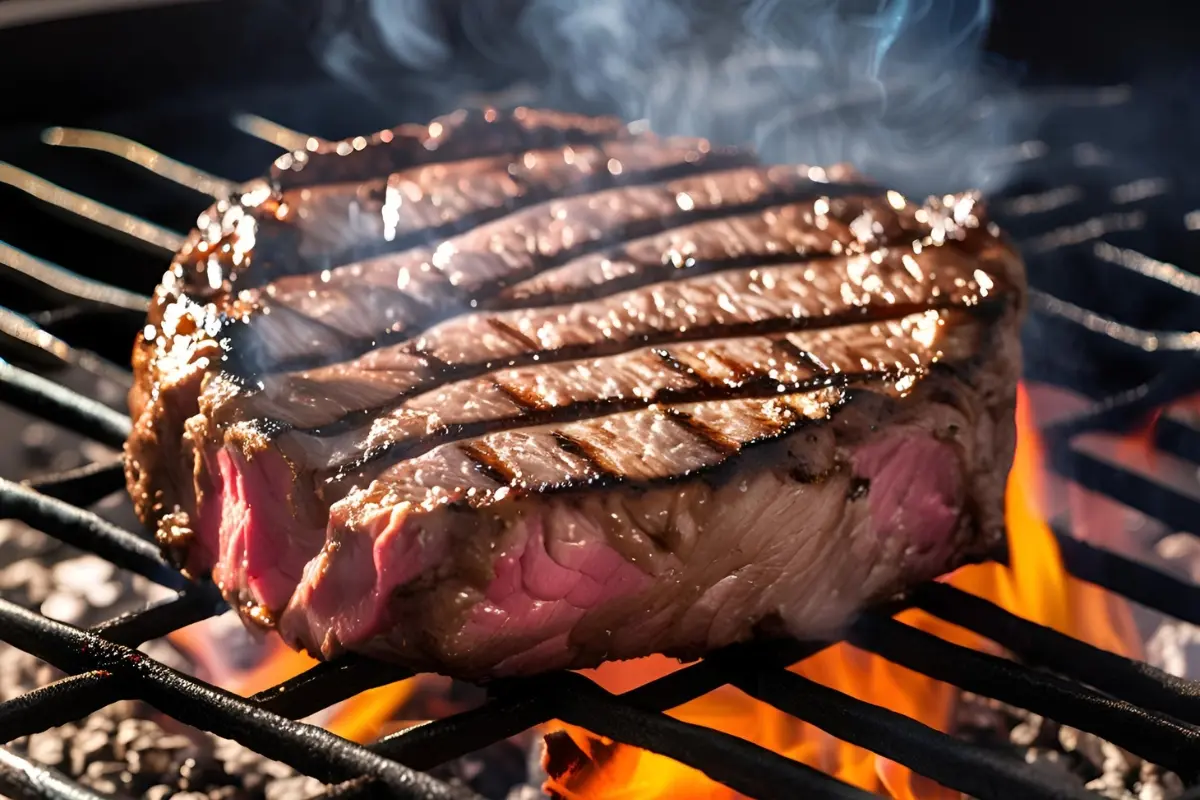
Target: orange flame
362, 718
1033, 585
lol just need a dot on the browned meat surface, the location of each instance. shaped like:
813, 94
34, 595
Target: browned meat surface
517, 391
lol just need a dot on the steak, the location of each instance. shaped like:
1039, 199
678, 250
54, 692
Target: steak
519, 391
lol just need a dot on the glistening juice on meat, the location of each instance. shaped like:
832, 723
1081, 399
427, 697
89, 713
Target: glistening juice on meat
518, 391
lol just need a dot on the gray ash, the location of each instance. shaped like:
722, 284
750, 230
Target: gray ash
1097, 765
128, 748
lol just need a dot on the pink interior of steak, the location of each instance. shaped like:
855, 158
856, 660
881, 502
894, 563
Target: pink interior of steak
247, 523
558, 574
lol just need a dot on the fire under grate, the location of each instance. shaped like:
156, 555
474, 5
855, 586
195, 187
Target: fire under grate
1146, 711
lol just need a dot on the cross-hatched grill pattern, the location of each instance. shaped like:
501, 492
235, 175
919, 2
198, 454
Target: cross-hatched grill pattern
1135, 706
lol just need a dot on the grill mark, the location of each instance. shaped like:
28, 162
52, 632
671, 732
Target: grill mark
739, 370
702, 387
760, 388
711, 472
512, 334
622, 233
712, 162
790, 349
585, 453
523, 399
985, 311
704, 433
432, 361
675, 365
652, 273
764, 327
243, 354
488, 462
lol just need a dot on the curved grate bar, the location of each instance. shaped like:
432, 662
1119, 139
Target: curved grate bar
728, 759
59, 284
1145, 585
83, 486
24, 340
328, 683
58, 703
305, 748
1155, 737
1132, 681
193, 604
969, 768
22, 779
89, 532
57, 404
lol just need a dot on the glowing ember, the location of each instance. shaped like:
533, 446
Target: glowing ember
1034, 585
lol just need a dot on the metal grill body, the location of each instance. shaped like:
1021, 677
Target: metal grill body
84, 324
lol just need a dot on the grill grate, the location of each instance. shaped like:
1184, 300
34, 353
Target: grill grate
1131, 704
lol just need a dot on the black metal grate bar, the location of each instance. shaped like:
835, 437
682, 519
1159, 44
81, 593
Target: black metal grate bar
193, 604
306, 748
1132, 681
25, 341
1174, 507
437, 742
21, 779
63, 286
326, 684
1179, 434
969, 768
732, 761
1157, 738
520, 705
44, 398
83, 486
87, 531
1137, 582
58, 703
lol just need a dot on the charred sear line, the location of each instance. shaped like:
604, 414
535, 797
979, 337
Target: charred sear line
715, 474
584, 453
709, 388
280, 257
760, 387
675, 365
527, 400
859, 487
243, 356
622, 233
489, 462
612, 347
790, 351
512, 334
663, 271
710, 437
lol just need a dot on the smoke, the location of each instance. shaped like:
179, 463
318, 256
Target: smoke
901, 88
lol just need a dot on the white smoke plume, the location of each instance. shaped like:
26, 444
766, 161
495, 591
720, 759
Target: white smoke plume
900, 88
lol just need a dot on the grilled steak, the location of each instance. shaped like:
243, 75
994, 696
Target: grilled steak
521, 391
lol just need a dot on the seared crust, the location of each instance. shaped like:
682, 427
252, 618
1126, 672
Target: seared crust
689, 279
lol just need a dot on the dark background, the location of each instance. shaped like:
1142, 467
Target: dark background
172, 76
68, 71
